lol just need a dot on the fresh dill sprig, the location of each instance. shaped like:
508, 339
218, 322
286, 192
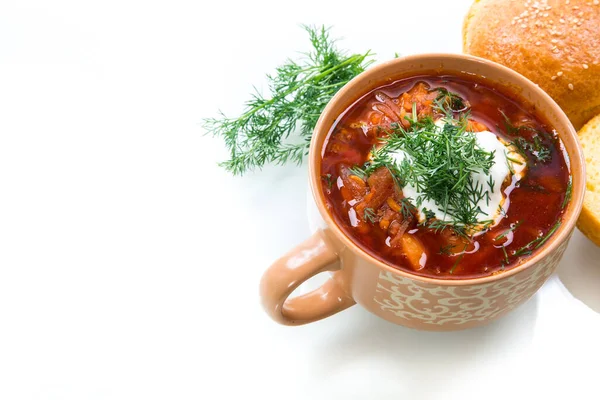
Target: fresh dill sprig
538, 242
328, 180
439, 163
568, 193
512, 228
506, 261
446, 250
448, 103
369, 215
460, 257
407, 208
536, 149
512, 129
298, 93
358, 171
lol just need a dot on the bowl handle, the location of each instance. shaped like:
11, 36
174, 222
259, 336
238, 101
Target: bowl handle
306, 260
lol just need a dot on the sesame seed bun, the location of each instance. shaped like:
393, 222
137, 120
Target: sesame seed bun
554, 43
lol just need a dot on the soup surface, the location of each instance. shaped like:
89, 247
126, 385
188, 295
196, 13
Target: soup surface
445, 177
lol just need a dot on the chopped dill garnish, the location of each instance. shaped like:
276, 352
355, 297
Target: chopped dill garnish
538, 242
299, 91
568, 193
449, 103
328, 180
462, 254
502, 211
514, 160
446, 250
535, 149
511, 168
428, 213
358, 171
369, 215
512, 228
407, 208
491, 183
511, 129
506, 260
439, 163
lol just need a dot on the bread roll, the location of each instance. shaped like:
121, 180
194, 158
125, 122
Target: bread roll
556, 44
589, 221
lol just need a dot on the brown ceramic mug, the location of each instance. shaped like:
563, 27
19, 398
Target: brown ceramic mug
395, 295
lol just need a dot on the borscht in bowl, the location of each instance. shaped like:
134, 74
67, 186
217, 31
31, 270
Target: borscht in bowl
445, 176
447, 186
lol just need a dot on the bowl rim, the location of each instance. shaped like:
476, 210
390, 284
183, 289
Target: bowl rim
322, 128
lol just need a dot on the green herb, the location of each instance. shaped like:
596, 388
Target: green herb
511, 129
568, 193
449, 103
439, 226
369, 215
328, 180
491, 183
514, 160
428, 213
298, 93
511, 168
462, 254
510, 229
535, 149
505, 261
358, 171
538, 242
439, 165
407, 208
446, 250
414, 117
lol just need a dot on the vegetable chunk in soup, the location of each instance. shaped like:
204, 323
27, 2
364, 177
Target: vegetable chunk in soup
445, 177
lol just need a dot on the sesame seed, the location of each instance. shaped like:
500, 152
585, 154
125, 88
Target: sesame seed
545, 15
553, 78
554, 40
585, 66
523, 26
580, 14
559, 73
575, 20
562, 21
575, 7
514, 22
579, 23
538, 43
571, 86
571, 59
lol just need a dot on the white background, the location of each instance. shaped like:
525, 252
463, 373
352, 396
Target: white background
129, 262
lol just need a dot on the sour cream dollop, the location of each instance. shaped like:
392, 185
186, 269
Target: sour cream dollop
491, 207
